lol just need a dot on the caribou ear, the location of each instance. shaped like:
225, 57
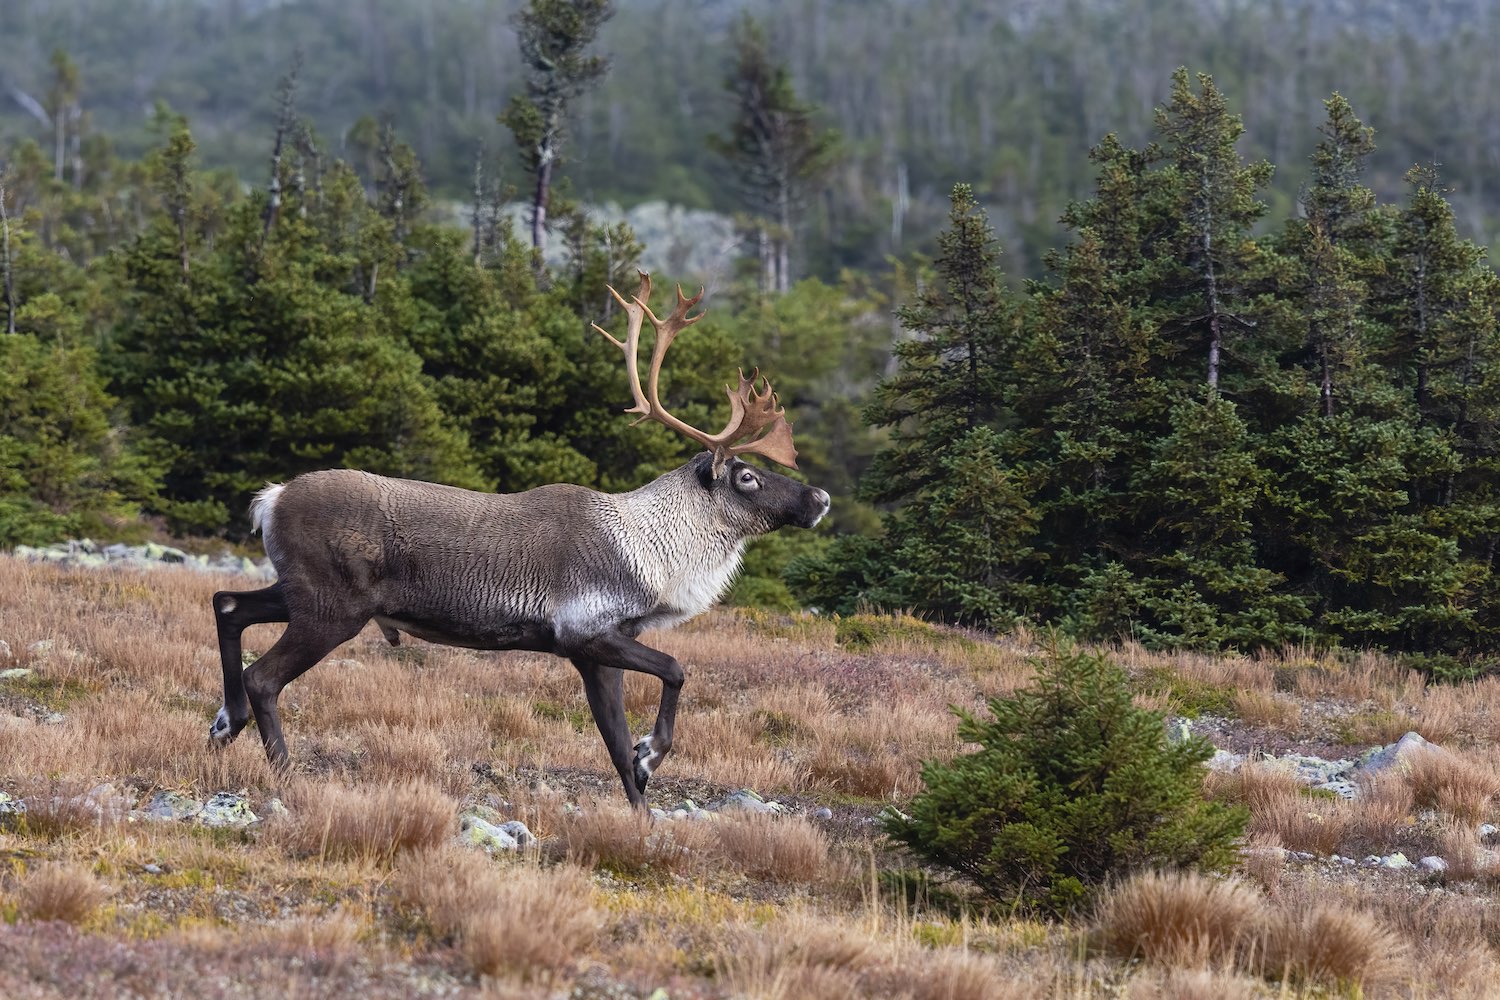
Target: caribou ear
703, 465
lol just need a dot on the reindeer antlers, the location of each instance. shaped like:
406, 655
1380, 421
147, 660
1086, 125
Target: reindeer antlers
751, 411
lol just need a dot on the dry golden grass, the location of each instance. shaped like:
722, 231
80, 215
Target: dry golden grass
1181, 919
1268, 708
1458, 783
614, 836
59, 892
1193, 984
1339, 945
517, 920
330, 820
787, 848
363, 872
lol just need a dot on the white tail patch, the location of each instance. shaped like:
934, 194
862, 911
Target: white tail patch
262, 507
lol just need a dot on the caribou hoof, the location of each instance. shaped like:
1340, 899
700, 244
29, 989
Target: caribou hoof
646, 759
223, 731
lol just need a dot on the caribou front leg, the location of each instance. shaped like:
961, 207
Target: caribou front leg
615, 649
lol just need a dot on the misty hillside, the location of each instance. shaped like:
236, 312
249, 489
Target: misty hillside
1007, 96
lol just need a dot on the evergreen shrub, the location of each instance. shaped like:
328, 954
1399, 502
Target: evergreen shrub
1072, 786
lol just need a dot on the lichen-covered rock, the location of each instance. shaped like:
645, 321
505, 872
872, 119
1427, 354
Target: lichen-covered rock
10, 807
476, 831
1395, 862
747, 800
227, 809
14, 674
172, 806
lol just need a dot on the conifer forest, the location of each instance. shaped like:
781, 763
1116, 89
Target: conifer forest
1167, 320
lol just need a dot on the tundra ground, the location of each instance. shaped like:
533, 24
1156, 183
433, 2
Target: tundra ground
360, 889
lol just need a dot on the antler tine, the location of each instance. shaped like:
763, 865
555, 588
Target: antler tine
635, 312
752, 409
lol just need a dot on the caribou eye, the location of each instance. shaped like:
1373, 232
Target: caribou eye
749, 480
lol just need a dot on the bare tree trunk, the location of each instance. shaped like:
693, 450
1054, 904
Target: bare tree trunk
10, 289
1215, 321
767, 262
539, 202
478, 218
75, 115
60, 139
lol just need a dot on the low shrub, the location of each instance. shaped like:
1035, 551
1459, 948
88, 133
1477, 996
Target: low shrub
1072, 785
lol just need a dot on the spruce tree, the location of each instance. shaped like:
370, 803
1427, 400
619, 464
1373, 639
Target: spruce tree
952, 372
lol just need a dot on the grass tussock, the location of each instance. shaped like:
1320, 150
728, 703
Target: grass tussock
787, 848
516, 920
1338, 945
1181, 919
331, 820
1454, 782
1185, 921
63, 892
621, 839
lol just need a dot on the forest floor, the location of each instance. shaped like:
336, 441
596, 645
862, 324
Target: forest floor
353, 882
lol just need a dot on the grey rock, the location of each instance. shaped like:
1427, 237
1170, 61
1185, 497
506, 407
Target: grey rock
1384, 758
1371, 860
53, 719
172, 806
14, 674
1223, 760
227, 809
153, 869
5, 652
275, 807
662, 814
103, 800
823, 813
519, 831
41, 648
1487, 832
1341, 787
746, 800
1433, 863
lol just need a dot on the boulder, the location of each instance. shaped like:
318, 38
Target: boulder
172, 806
227, 810
475, 831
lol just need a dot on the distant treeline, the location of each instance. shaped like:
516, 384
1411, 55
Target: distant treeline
1006, 96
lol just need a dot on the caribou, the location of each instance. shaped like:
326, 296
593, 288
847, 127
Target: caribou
559, 569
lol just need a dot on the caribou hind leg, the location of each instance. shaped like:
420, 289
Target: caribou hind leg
235, 611
605, 690
302, 645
